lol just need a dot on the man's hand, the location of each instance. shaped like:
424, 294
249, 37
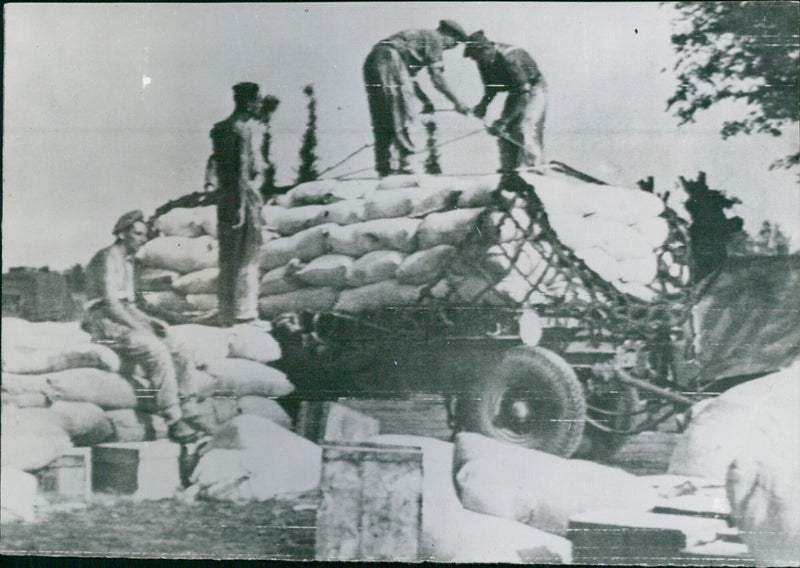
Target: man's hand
479, 111
159, 327
462, 108
427, 107
497, 127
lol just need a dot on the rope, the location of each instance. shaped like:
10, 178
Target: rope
339, 163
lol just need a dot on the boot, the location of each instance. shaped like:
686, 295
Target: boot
182, 433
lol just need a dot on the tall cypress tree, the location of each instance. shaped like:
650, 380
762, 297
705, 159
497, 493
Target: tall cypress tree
308, 157
432, 161
268, 107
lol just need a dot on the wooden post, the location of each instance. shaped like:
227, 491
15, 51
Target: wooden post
371, 502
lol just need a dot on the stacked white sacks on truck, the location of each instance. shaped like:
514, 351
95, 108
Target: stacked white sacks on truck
61, 390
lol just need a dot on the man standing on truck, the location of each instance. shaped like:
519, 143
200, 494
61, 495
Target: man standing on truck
520, 128
113, 318
237, 168
393, 92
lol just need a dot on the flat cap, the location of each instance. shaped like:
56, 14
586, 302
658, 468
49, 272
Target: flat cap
452, 29
127, 221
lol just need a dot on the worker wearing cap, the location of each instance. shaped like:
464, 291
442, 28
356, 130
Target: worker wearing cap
237, 173
520, 128
113, 318
393, 93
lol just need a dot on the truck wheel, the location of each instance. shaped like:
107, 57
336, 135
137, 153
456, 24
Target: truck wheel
624, 400
533, 400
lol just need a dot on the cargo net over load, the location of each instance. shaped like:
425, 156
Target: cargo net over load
610, 258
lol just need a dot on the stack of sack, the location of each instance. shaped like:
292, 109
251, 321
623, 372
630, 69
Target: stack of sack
59, 389
354, 246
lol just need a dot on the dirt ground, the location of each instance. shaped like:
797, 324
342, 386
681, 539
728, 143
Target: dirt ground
278, 529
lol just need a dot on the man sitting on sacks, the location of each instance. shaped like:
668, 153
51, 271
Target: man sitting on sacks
113, 319
392, 90
520, 128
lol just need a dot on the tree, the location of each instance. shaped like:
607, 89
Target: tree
771, 240
432, 161
308, 158
739, 51
268, 106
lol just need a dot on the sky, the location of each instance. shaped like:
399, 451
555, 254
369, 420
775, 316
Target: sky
107, 107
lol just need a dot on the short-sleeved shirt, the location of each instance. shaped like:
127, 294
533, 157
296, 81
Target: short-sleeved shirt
418, 49
510, 69
122, 275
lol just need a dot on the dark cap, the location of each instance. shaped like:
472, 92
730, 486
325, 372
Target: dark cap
245, 90
127, 221
452, 29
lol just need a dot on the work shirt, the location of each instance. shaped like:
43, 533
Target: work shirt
121, 275
418, 49
510, 69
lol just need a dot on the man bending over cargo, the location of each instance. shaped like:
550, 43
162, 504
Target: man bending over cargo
393, 92
520, 128
113, 318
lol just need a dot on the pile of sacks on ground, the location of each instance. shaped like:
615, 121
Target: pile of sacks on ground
357, 245
59, 389
748, 439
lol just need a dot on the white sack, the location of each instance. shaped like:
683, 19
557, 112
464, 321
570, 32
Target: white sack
388, 293
180, 222
254, 342
288, 221
477, 191
307, 299
30, 452
30, 421
207, 218
537, 488
86, 423
253, 460
30, 390
309, 193
265, 408
281, 280
135, 426
181, 254
728, 423
168, 300
398, 181
203, 302
18, 495
326, 270
360, 238
32, 360
103, 388
213, 413
453, 227
415, 202
17, 331
305, 245
374, 267
425, 265
240, 377
155, 279
654, 231
204, 343
199, 282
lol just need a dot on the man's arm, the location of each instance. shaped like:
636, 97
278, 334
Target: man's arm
437, 77
115, 308
489, 93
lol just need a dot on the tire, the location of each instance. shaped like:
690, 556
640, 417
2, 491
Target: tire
534, 399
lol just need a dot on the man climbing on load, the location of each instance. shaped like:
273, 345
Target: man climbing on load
393, 93
520, 128
113, 319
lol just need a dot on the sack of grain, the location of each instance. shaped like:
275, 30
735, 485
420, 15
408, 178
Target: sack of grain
86, 423
206, 217
19, 495
281, 280
425, 265
39, 421
103, 388
179, 222
205, 343
478, 192
253, 460
360, 238
374, 267
265, 408
388, 204
326, 270
17, 331
214, 413
305, 245
32, 360
155, 279
307, 299
398, 181
288, 221
310, 193
199, 282
203, 302
654, 231
135, 426
414, 202
241, 377
30, 452
25, 390
537, 488
167, 300
388, 293
453, 227
253, 342
181, 254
